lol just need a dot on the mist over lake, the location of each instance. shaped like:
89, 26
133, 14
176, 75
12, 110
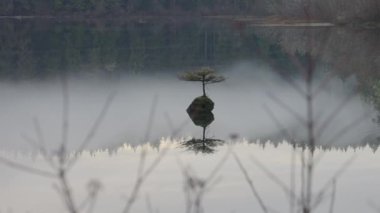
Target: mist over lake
189, 115
240, 108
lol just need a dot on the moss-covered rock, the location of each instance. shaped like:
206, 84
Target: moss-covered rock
201, 103
200, 111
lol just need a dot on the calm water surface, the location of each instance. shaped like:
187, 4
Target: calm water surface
253, 114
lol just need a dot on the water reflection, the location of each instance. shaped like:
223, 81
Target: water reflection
246, 87
200, 110
229, 194
144, 58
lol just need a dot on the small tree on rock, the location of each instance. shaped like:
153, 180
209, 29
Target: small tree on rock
206, 75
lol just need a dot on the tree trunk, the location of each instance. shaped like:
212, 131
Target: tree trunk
203, 87
204, 135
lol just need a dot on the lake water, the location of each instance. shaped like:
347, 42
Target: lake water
259, 112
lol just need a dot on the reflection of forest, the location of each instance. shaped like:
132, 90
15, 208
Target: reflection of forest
331, 10
41, 49
35, 49
196, 145
346, 51
372, 144
343, 52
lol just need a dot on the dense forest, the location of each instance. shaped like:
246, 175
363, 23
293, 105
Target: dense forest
114, 7
330, 10
34, 49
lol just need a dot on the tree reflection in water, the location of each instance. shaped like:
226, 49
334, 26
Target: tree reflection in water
200, 112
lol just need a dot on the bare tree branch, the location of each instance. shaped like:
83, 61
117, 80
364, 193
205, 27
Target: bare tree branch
337, 174
91, 134
291, 194
287, 108
151, 116
141, 178
251, 185
333, 196
26, 169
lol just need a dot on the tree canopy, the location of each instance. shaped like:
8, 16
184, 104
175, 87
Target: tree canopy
205, 74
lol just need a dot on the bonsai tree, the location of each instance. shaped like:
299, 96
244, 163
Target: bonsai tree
206, 75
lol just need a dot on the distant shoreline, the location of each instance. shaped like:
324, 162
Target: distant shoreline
270, 21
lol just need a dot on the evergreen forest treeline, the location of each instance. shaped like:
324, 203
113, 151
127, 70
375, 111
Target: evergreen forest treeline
34, 49
121, 7
327, 10
39, 49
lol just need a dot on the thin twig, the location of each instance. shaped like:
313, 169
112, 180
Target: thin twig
303, 166
276, 121
343, 131
195, 188
251, 185
293, 178
91, 134
337, 174
66, 191
65, 118
218, 166
174, 131
274, 178
148, 204
323, 83
38, 130
151, 118
26, 169
333, 196
47, 157
141, 178
334, 113
286, 107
